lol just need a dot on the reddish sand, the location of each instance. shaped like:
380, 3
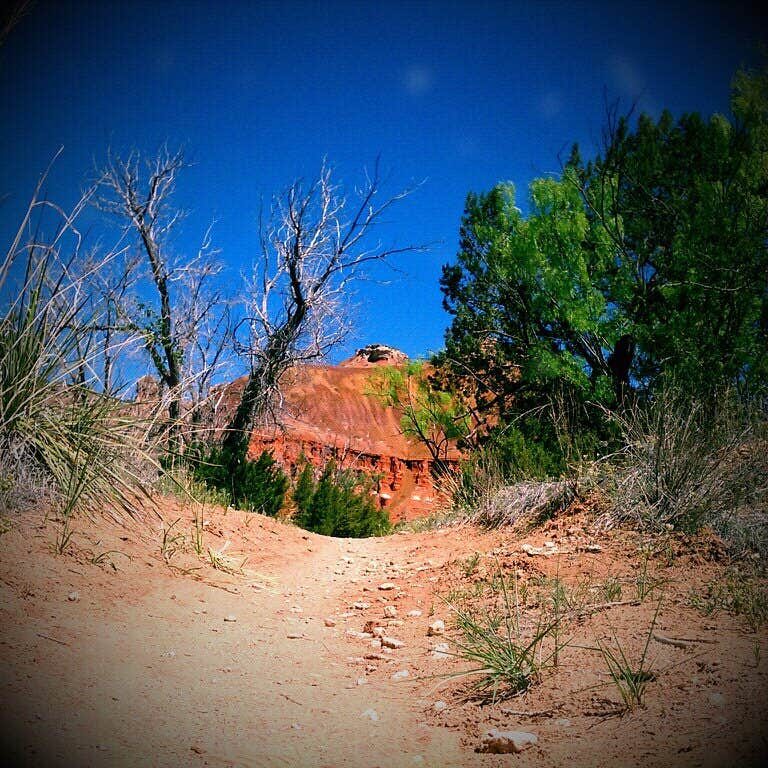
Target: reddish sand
137, 664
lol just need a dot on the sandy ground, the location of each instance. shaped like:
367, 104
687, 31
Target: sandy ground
117, 654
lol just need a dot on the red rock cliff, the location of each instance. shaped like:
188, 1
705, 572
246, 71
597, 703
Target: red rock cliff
329, 415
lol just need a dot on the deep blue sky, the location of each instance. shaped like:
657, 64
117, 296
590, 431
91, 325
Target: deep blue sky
462, 94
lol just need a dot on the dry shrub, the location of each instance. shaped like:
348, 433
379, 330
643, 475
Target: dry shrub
534, 501
687, 464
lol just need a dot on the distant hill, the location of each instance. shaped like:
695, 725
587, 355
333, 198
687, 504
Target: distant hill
327, 414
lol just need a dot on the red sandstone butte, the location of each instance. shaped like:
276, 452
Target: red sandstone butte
327, 414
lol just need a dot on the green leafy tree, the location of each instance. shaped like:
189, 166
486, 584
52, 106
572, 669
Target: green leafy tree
685, 205
532, 326
339, 504
303, 492
257, 486
430, 414
648, 262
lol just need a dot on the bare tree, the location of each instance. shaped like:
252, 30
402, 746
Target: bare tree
204, 330
139, 193
313, 246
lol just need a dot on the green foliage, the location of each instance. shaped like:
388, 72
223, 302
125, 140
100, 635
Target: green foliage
643, 266
256, 486
529, 451
684, 205
339, 504
429, 414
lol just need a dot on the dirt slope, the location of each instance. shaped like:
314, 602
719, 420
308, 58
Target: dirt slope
141, 666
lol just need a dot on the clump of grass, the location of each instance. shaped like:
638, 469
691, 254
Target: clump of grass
509, 659
178, 481
469, 565
173, 541
645, 582
686, 464
221, 562
198, 531
535, 501
738, 594
435, 521
105, 558
630, 678
611, 589
53, 419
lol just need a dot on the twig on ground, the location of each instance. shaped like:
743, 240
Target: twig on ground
52, 639
680, 642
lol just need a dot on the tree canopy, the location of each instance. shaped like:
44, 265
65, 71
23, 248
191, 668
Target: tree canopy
647, 263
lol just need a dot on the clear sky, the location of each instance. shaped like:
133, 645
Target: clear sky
462, 94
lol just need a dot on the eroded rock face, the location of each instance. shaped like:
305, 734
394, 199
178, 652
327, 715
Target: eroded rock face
329, 415
375, 354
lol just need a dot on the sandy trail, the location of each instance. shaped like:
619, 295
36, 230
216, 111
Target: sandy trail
138, 665
152, 673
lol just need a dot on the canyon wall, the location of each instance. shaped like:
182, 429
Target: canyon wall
329, 415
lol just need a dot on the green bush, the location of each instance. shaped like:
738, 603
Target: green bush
257, 486
339, 503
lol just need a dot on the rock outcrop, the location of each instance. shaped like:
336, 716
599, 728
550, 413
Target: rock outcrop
329, 415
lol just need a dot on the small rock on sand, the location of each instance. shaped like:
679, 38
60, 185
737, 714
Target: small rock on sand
504, 742
442, 651
436, 628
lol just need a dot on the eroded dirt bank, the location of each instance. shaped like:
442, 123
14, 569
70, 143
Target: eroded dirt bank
151, 663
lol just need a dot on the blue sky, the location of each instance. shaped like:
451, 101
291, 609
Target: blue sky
459, 94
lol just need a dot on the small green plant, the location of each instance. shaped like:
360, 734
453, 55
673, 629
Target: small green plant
510, 660
173, 541
63, 537
611, 589
198, 530
5, 525
469, 566
645, 583
738, 594
105, 558
629, 678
